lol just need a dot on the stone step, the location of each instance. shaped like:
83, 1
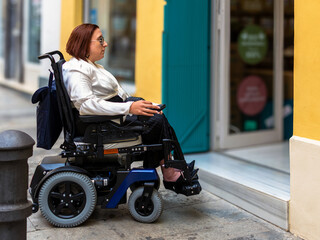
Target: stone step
260, 190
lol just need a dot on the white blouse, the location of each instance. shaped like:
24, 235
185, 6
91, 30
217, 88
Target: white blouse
89, 85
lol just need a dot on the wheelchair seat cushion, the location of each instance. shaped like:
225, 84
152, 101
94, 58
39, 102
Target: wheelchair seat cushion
115, 144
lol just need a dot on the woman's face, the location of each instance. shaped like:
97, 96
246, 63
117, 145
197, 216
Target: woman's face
97, 46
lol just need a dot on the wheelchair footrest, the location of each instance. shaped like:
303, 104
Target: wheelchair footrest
184, 188
192, 189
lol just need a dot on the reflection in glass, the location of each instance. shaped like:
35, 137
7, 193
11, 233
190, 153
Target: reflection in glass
117, 21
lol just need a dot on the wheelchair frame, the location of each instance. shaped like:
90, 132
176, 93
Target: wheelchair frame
103, 175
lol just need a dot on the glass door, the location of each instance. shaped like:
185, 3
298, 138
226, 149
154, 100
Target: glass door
249, 84
117, 21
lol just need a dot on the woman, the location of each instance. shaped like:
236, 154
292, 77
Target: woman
95, 91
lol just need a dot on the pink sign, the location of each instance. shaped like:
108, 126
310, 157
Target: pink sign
252, 95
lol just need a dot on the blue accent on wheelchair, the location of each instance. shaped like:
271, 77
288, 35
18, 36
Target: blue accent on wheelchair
134, 176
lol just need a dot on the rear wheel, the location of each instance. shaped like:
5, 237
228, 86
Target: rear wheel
67, 199
142, 211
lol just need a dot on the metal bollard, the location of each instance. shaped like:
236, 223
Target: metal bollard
15, 149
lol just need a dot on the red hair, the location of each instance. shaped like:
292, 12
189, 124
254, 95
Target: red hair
79, 40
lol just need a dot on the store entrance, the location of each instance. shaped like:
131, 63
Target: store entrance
253, 83
251, 96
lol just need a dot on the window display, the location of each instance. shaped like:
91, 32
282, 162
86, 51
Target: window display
252, 68
251, 65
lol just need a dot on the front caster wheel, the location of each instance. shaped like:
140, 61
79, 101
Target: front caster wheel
142, 210
67, 199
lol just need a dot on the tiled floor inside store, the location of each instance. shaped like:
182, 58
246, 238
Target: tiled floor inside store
274, 155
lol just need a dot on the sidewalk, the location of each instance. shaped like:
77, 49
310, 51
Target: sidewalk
204, 216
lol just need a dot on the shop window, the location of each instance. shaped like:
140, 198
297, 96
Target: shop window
117, 21
252, 69
252, 65
34, 23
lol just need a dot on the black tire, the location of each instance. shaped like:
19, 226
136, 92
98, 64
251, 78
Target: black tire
147, 214
67, 199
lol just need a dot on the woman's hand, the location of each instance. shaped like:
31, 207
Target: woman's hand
143, 107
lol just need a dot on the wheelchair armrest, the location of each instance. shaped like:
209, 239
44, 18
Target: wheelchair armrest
99, 118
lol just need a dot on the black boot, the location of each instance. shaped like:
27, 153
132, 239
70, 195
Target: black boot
174, 186
183, 186
194, 174
191, 165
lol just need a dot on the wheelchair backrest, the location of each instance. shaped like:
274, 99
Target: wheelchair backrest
64, 102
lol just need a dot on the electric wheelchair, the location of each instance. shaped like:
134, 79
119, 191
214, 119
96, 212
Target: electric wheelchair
95, 168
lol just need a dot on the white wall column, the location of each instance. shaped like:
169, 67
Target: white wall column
50, 32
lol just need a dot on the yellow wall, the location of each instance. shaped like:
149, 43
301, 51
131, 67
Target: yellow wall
149, 49
304, 208
307, 69
71, 16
